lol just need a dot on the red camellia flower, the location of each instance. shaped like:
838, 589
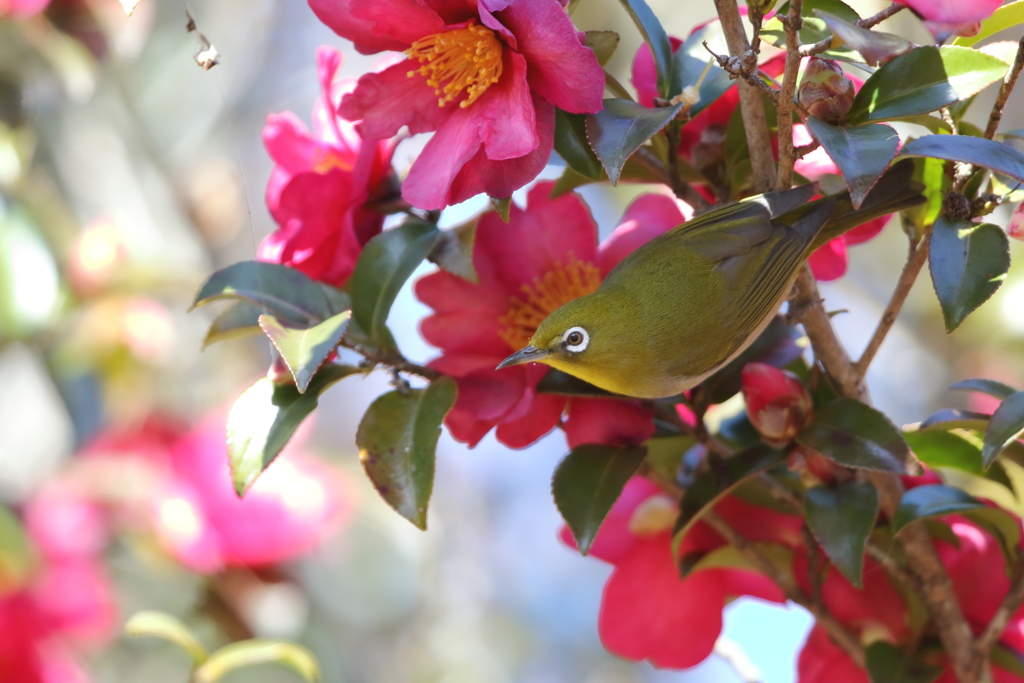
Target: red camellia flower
647, 610
320, 185
943, 17
20, 9
777, 402
484, 74
546, 256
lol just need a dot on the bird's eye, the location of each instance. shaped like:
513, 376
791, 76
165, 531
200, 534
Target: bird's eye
576, 339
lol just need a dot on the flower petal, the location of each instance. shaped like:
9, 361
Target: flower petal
828, 262
544, 413
821, 661
337, 14
456, 141
384, 102
866, 231
508, 122
607, 421
403, 21
649, 216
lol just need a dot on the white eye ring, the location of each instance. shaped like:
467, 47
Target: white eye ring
575, 333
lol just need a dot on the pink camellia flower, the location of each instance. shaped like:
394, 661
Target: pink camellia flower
647, 610
546, 256
943, 17
294, 504
1015, 229
777, 402
21, 9
486, 75
321, 184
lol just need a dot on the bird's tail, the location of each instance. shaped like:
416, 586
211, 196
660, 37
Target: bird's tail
895, 190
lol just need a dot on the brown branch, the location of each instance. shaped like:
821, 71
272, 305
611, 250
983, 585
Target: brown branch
804, 150
1011, 603
755, 123
825, 43
1005, 89
738, 68
393, 360
784, 104
916, 260
839, 634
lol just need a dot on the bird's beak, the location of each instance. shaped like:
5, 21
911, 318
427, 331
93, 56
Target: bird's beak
527, 354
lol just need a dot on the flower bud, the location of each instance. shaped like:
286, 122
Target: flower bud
825, 92
777, 403
815, 469
1015, 229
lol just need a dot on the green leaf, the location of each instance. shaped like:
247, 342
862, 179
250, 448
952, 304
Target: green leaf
951, 418
985, 386
841, 519
571, 144
968, 261
665, 453
587, 483
978, 151
17, 562
453, 251
603, 43
282, 291
931, 174
946, 449
887, 663
258, 651
655, 37
240, 319
169, 628
635, 171
384, 265
856, 435
1004, 427
397, 439
814, 29
874, 46
729, 556
1005, 17
862, 153
502, 206
923, 80
715, 483
264, 418
1005, 658
689, 61
621, 127
305, 350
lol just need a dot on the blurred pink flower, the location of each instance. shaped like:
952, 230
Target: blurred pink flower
647, 610
21, 9
321, 183
486, 75
943, 17
1015, 229
544, 257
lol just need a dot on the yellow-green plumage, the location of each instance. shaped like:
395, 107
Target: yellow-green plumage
684, 304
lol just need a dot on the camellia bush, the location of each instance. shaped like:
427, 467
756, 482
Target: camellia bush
810, 495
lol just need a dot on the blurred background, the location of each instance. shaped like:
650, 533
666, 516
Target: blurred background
127, 175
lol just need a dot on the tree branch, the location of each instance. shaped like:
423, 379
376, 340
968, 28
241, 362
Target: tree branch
755, 123
784, 103
912, 268
842, 637
392, 360
1005, 89
1013, 600
823, 44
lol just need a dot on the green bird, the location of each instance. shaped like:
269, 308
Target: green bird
689, 301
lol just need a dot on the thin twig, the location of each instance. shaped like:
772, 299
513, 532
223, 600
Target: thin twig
840, 635
1013, 600
1005, 89
804, 150
392, 360
784, 104
755, 123
736, 68
682, 189
825, 43
916, 260
891, 565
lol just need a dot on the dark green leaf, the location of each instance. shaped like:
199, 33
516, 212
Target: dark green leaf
968, 262
689, 61
384, 265
282, 291
265, 416
841, 519
258, 651
874, 46
397, 440
946, 449
985, 386
558, 382
240, 319
453, 251
1004, 427
169, 628
887, 663
635, 171
305, 350
655, 37
923, 80
1007, 16
621, 127
502, 206
862, 153
978, 151
714, 484
603, 43
587, 483
571, 144
856, 435
954, 419
932, 500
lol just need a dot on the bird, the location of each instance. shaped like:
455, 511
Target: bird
689, 301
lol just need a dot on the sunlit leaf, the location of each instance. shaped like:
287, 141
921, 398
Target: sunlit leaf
621, 127
973, 150
169, 628
939, 448
968, 261
240, 319
305, 350
1007, 16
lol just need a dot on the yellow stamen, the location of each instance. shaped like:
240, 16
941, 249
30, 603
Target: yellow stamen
461, 59
325, 160
544, 295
